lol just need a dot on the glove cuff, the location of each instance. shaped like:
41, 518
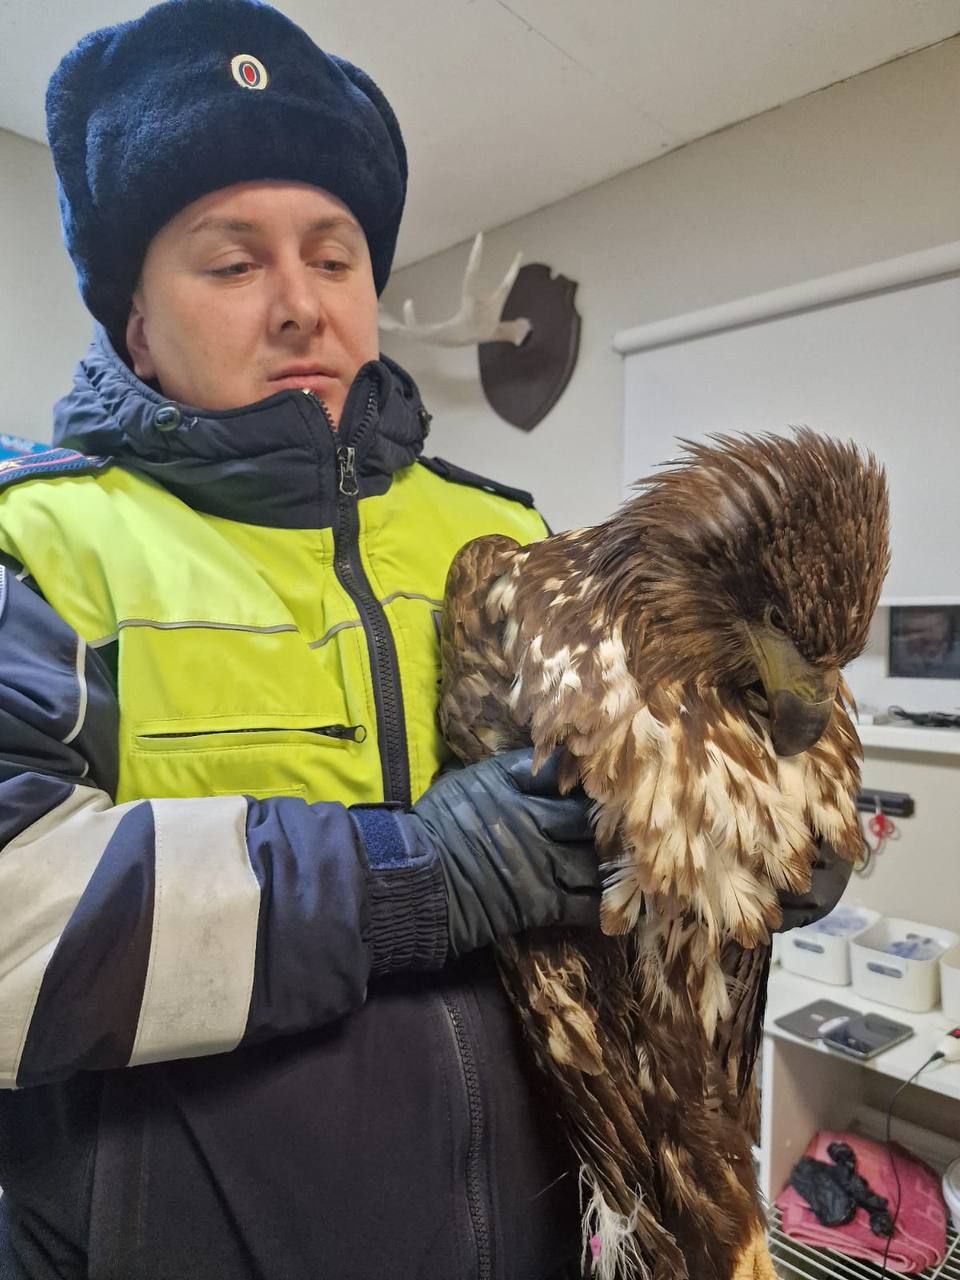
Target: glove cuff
406, 895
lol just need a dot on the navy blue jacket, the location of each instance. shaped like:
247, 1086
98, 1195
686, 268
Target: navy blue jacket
368, 1126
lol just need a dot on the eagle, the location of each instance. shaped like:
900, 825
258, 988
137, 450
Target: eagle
680, 663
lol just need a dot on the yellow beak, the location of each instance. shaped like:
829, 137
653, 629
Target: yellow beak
800, 697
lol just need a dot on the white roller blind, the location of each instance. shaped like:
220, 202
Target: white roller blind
883, 369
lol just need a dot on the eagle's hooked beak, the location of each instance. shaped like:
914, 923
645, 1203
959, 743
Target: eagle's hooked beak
800, 697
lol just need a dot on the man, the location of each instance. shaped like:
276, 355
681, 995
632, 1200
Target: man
250, 1024
218, 662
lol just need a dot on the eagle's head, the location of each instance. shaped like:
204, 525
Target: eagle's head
755, 559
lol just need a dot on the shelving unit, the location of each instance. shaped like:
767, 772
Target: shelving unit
794, 1261
895, 737
807, 1087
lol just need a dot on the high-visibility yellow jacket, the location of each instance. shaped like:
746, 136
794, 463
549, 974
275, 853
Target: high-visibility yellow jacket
216, 631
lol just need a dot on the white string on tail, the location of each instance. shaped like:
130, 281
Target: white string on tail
608, 1236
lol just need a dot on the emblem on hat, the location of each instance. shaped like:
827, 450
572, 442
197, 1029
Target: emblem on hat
249, 72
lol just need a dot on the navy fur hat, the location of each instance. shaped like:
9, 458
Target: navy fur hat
145, 117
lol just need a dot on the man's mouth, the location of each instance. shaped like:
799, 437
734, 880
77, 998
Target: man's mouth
301, 376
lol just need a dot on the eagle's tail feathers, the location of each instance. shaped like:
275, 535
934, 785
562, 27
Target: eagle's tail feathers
630, 1245
610, 1237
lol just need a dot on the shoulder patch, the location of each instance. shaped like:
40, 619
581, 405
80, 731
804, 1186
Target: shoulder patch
458, 475
49, 464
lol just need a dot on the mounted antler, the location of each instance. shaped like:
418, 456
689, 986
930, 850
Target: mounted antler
478, 319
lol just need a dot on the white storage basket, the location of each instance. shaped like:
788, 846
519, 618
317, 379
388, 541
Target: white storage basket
822, 950
950, 998
901, 981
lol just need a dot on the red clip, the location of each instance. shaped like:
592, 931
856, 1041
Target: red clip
881, 826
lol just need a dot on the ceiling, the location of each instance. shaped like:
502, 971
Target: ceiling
510, 106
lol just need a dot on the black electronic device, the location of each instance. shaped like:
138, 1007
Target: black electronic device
866, 1035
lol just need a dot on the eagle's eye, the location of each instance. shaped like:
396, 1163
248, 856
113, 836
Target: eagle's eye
775, 620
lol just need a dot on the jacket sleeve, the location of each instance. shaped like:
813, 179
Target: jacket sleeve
172, 928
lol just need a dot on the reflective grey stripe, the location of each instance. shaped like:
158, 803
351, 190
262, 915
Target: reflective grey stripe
43, 873
411, 595
195, 624
328, 635
206, 910
201, 625
355, 622
82, 682
236, 626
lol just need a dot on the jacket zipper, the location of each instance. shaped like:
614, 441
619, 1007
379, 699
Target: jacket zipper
384, 667
388, 698
348, 732
475, 1196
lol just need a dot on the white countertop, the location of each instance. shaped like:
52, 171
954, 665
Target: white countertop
787, 992
909, 737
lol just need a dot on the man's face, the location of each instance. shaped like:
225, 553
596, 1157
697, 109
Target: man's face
254, 289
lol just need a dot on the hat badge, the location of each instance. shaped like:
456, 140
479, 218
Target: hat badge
249, 72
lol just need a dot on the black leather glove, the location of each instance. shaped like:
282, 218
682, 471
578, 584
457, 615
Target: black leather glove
514, 853
831, 875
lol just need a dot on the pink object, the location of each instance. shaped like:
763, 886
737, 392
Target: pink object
595, 1248
920, 1238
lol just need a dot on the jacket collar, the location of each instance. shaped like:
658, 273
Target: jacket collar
270, 463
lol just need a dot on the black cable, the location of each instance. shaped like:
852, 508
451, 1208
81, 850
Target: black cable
928, 719
934, 1057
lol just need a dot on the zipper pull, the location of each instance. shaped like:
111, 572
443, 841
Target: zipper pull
346, 732
347, 469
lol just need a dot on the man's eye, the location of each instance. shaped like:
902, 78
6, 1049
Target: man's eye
333, 265
233, 269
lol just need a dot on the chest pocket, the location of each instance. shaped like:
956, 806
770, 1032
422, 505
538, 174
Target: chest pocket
210, 758
230, 712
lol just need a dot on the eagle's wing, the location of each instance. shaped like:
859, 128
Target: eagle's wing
474, 705
740, 1034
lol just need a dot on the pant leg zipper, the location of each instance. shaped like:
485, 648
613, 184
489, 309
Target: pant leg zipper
475, 1197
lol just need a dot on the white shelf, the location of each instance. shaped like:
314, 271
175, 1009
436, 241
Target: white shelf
895, 737
807, 1088
787, 992
794, 1260
912, 602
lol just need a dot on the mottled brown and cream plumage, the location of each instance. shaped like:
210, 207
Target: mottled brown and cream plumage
683, 658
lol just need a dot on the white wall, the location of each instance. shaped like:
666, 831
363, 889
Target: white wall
44, 328
917, 875
862, 171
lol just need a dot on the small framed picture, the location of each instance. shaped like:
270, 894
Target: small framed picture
925, 641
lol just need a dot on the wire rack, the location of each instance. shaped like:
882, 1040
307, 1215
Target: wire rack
794, 1261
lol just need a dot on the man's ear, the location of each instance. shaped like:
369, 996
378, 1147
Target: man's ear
137, 344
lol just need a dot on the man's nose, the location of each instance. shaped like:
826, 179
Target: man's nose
297, 303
